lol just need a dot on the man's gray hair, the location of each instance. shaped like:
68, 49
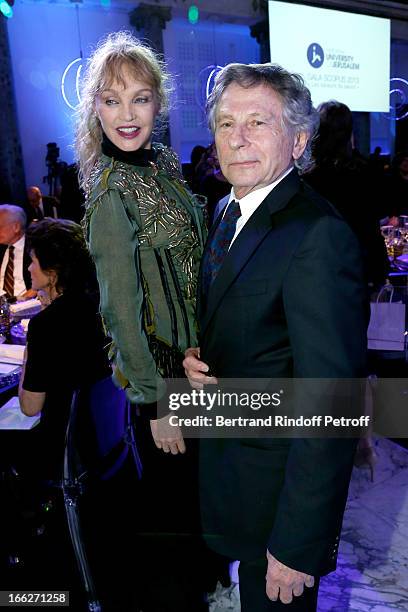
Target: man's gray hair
299, 114
16, 214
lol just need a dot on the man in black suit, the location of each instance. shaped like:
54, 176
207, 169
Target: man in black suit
41, 206
15, 279
285, 299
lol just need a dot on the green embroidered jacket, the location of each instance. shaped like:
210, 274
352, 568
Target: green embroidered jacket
146, 233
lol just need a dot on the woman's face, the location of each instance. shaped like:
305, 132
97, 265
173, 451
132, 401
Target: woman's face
127, 113
39, 278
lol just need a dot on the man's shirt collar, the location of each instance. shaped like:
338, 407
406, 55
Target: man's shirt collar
19, 245
249, 203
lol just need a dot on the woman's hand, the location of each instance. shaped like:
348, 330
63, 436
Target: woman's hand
167, 437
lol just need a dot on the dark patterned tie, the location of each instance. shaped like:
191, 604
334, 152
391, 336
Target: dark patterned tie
8, 284
220, 243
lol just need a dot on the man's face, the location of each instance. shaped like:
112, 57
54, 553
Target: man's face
10, 231
254, 147
34, 197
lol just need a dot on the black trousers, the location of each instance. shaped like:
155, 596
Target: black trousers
252, 588
169, 538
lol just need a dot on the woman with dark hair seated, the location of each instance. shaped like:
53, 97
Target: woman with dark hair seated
66, 351
65, 341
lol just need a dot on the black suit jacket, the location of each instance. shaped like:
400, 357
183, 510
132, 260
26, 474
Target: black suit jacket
50, 203
26, 263
289, 301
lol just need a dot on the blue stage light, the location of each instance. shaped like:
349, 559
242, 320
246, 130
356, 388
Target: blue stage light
193, 14
6, 9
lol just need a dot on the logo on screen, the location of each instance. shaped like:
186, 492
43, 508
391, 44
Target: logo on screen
70, 83
315, 55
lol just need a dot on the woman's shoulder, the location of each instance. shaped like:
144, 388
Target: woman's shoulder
106, 173
64, 316
44, 322
37, 321
167, 161
110, 179
109, 173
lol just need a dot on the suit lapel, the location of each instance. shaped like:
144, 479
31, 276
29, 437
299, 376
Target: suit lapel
3, 249
26, 263
248, 240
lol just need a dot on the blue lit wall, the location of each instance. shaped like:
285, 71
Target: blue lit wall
383, 129
189, 50
43, 40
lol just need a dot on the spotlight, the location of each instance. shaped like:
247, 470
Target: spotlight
193, 14
6, 9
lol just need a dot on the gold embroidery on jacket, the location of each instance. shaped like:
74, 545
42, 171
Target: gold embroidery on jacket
164, 222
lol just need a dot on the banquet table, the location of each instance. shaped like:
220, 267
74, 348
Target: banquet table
17, 432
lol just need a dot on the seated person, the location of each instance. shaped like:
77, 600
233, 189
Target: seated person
65, 341
40, 205
66, 350
15, 281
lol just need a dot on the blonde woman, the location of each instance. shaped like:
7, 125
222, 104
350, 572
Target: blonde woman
145, 231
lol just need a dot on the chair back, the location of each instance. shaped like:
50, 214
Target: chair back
99, 433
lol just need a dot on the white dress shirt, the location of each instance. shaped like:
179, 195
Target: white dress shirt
19, 284
249, 203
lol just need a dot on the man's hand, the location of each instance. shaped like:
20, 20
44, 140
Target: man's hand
196, 370
284, 583
167, 437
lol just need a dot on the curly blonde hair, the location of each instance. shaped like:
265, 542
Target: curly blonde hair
113, 53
